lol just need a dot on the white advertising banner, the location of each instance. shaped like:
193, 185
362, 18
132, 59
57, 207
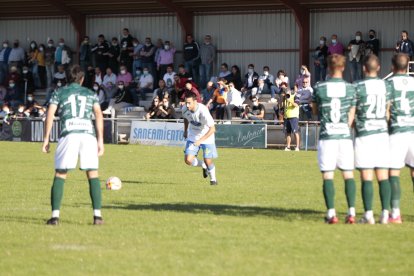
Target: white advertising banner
157, 133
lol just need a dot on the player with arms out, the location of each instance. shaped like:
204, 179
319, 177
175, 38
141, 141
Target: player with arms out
401, 129
77, 138
372, 139
334, 102
199, 131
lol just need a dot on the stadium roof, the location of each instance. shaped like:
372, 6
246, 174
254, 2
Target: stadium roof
34, 8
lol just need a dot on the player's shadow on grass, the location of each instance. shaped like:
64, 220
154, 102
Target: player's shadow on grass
227, 210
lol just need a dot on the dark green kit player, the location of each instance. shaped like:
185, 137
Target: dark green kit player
77, 139
334, 102
401, 129
372, 140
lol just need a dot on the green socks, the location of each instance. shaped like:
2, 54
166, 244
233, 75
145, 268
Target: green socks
385, 194
329, 193
57, 192
95, 193
350, 192
367, 189
395, 192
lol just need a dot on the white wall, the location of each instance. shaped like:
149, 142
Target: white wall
39, 30
260, 31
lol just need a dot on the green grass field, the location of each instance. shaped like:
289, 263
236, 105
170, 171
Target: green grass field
264, 218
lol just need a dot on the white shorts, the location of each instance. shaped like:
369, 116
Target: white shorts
372, 151
402, 150
73, 145
334, 154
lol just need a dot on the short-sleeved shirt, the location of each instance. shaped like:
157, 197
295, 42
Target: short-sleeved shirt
257, 109
402, 104
372, 96
199, 122
75, 109
334, 98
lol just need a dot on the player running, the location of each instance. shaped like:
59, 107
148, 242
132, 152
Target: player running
401, 129
372, 139
334, 102
199, 131
77, 138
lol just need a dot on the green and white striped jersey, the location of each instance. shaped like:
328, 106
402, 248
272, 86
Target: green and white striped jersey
334, 98
75, 109
402, 103
372, 97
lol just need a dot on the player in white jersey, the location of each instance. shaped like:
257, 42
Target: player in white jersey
199, 131
401, 129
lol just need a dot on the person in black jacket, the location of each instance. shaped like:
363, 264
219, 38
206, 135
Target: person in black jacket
192, 57
121, 99
320, 57
126, 49
373, 44
100, 50
405, 46
113, 54
250, 81
236, 77
85, 54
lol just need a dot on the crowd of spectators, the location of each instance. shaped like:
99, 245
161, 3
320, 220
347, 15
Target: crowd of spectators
124, 73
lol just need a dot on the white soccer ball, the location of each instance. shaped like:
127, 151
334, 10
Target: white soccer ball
113, 183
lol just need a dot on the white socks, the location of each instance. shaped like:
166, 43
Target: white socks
97, 213
395, 213
212, 172
55, 213
331, 213
369, 214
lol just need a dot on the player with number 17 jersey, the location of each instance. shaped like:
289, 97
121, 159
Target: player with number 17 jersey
75, 109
